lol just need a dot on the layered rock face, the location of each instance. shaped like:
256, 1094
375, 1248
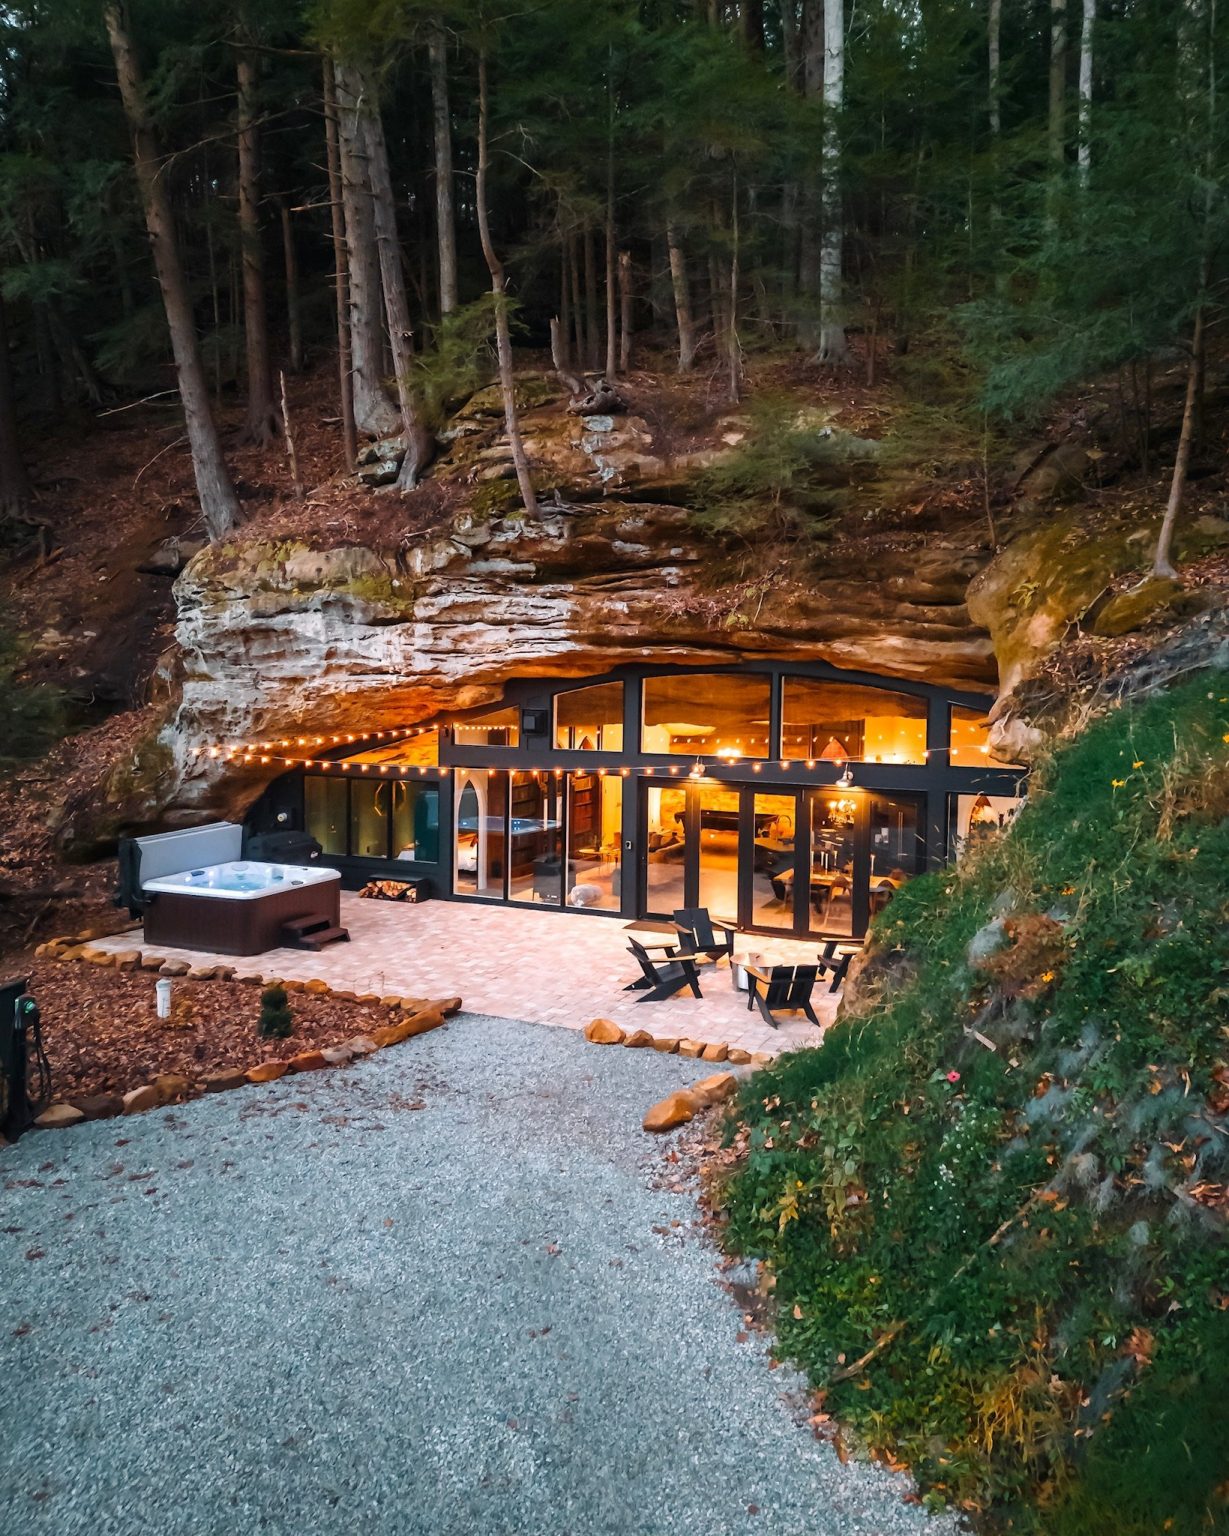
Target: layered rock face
278, 639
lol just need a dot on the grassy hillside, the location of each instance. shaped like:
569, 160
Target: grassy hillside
994, 1201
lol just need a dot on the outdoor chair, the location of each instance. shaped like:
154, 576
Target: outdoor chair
701, 934
834, 965
783, 989
661, 979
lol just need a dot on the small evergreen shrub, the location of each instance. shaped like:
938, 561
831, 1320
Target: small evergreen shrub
275, 1016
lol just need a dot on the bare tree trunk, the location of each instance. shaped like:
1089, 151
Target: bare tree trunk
290, 261
682, 299
15, 493
419, 442
565, 301
994, 48
753, 24
373, 411
558, 356
1056, 135
612, 329
341, 277
625, 311
1084, 152
591, 342
292, 456
219, 505
261, 420
833, 347
812, 73
578, 313
1162, 564
445, 206
734, 351
503, 337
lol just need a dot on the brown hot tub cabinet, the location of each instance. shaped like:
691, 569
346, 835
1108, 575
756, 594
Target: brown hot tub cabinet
248, 926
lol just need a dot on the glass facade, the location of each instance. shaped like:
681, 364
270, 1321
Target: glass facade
845, 722
707, 715
590, 719
373, 818
494, 728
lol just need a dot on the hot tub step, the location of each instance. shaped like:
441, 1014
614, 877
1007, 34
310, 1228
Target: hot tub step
311, 933
319, 937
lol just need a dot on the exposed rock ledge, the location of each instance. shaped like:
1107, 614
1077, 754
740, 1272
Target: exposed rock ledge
279, 637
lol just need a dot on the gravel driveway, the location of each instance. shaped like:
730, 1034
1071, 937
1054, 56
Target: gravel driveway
435, 1293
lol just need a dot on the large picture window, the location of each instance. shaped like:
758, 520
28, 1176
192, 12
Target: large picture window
590, 719
707, 714
373, 818
495, 728
847, 722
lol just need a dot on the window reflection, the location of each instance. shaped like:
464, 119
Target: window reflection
493, 728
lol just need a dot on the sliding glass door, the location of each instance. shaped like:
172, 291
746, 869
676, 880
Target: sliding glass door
808, 863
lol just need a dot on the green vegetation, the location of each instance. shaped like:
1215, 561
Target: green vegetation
994, 1201
276, 1019
777, 483
35, 716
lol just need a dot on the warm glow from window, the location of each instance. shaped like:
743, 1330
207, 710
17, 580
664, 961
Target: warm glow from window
590, 719
706, 714
841, 722
495, 728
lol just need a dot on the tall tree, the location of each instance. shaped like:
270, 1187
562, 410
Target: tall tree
341, 267
503, 333
445, 202
833, 346
419, 442
261, 419
219, 505
1084, 152
373, 411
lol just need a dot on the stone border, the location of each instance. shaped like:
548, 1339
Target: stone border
607, 1032
422, 1014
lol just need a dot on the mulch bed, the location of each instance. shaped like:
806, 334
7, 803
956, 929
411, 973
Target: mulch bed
102, 1034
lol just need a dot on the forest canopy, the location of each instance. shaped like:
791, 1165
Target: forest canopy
1032, 186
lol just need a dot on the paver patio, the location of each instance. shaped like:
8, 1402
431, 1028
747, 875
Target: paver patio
556, 968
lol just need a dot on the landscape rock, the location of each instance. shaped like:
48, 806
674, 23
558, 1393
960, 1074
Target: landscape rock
202, 972
222, 1082
690, 1047
137, 1100
128, 960
174, 968
337, 1055
450, 1006
738, 1056
674, 1110
722, 1085
667, 1044
317, 986
152, 962
638, 1039
55, 1116
603, 1032
361, 1045
99, 1106
717, 1050
308, 1061
170, 1086
267, 1071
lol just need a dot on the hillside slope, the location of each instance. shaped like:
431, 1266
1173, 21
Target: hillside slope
995, 1201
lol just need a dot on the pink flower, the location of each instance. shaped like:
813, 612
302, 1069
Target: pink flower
953, 1077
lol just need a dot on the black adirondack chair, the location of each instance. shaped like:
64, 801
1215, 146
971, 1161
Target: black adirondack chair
701, 934
661, 979
833, 965
783, 989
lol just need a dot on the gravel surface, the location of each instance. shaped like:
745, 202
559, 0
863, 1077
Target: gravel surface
435, 1293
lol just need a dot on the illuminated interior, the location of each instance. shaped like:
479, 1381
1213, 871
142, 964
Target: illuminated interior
707, 714
499, 727
421, 750
590, 719
847, 722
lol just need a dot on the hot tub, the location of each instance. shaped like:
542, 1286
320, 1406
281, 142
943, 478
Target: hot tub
238, 907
